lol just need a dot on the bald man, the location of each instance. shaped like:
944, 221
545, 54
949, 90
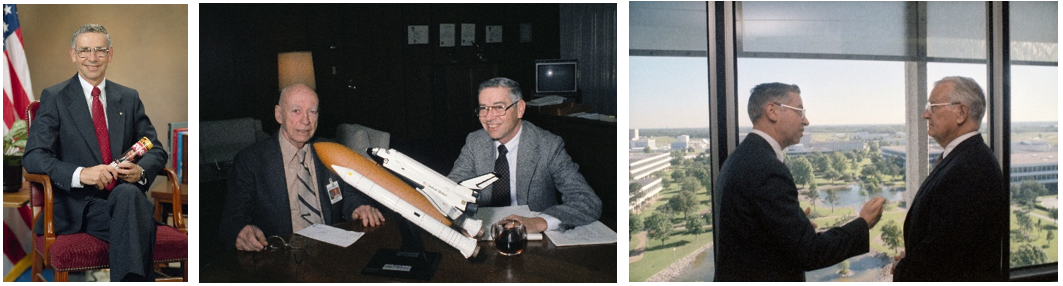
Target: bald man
278, 186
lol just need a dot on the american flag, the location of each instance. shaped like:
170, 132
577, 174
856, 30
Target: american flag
17, 95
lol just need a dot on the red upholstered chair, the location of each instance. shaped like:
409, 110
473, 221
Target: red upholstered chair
81, 251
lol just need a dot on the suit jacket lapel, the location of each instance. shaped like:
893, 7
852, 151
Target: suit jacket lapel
931, 179
82, 116
484, 164
527, 157
116, 115
278, 186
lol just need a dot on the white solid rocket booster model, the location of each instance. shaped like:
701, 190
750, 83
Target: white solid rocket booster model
433, 206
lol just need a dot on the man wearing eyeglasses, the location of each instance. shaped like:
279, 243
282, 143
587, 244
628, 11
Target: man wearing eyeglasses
531, 163
82, 125
279, 186
762, 233
956, 227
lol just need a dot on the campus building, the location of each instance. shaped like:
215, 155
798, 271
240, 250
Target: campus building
641, 167
1042, 167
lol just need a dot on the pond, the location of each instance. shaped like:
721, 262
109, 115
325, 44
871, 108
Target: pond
851, 196
863, 267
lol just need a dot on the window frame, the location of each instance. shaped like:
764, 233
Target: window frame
722, 53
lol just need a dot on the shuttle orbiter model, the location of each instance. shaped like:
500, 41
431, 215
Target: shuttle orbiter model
456, 201
432, 207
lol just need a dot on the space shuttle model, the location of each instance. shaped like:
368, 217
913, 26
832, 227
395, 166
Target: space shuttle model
437, 204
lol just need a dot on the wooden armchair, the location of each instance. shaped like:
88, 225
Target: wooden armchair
81, 251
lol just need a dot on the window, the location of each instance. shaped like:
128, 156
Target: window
861, 67
1034, 133
669, 107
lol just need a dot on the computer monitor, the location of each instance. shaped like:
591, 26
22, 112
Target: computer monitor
555, 76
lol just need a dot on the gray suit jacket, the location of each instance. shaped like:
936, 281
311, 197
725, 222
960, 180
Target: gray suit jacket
544, 170
62, 139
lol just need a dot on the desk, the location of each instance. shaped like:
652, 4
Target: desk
19, 199
541, 262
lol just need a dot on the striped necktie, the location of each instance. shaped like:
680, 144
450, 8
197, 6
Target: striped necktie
307, 198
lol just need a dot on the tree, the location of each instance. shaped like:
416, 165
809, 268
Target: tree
869, 171
839, 161
635, 224
677, 176
660, 227
1054, 213
873, 186
812, 194
1050, 236
824, 163
843, 269
1028, 192
1025, 223
689, 184
1028, 255
694, 225
832, 198
708, 218
802, 171
833, 174
891, 235
685, 202
635, 192
647, 150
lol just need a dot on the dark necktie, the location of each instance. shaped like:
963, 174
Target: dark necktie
500, 193
99, 121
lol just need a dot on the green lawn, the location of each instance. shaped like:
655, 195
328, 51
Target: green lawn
1052, 252
658, 257
681, 243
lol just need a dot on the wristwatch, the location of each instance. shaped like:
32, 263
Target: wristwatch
143, 180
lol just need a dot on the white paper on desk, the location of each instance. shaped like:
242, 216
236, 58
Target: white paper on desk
491, 215
595, 233
331, 235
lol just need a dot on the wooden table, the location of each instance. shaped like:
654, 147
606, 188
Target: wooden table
541, 262
19, 199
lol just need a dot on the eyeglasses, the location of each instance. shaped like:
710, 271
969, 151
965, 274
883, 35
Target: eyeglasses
794, 108
277, 247
930, 106
99, 52
497, 110
277, 243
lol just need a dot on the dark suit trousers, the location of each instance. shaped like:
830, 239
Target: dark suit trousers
124, 220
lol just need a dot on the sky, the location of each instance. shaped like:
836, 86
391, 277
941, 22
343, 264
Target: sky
671, 92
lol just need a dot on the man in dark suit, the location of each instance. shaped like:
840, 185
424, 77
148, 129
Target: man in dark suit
81, 127
957, 226
278, 186
762, 233
534, 168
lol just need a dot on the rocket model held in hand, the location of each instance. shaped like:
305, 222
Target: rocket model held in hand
437, 206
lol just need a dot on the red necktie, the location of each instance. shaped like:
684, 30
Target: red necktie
99, 121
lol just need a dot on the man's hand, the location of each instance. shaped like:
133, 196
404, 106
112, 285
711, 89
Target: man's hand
250, 239
808, 210
129, 172
896, 259
99, 175
872, 211
370, 216
531, 224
